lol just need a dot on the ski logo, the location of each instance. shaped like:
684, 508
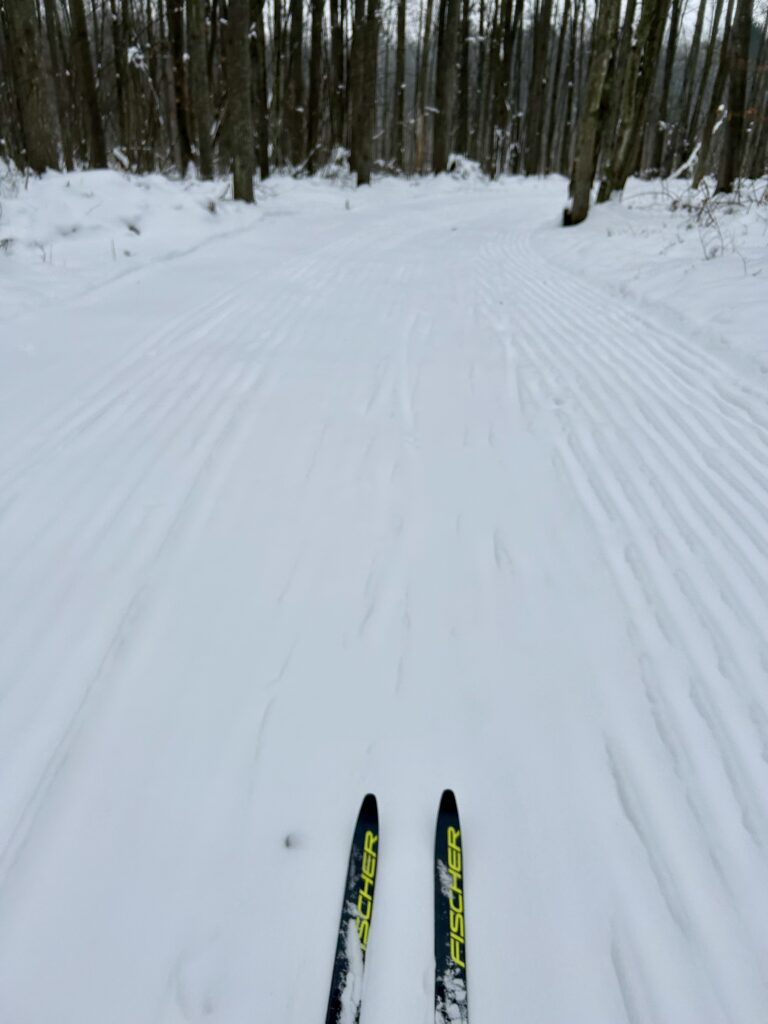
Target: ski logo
456, 917
365, 892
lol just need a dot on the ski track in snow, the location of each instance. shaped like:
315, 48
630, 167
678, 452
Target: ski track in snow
393, 505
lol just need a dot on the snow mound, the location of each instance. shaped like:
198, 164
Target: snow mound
93, 220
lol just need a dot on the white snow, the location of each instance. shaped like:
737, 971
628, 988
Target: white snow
393, 491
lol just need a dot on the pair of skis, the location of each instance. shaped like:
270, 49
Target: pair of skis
345, 1000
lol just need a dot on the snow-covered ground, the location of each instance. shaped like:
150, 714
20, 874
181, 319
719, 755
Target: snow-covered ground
391, 491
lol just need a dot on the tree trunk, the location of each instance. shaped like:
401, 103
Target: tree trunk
564, 160
589, 123
315, 86
60, 84
199, 86
259, 82
445, 86
662, 128
537, 90
693, 122
549, 162
421, 91
239, 113
738, 65
175, 12
338, 84
399, 105
702, 160
641, 73
30, 86
364, 61
680, 138
462, 130
294, 93
81, 50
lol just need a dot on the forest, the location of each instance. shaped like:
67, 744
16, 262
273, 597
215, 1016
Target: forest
597, 90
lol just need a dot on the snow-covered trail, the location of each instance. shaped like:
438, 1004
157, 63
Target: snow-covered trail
380, 499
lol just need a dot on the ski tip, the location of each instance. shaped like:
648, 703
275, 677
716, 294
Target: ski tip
368, 808
448, 803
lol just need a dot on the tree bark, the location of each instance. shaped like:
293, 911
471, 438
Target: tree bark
462, 128
721, 76
338, 83
680, 139
315, 86
537, 90
82, 54
738, 66
662, 128
445, 85
640, 76
259, 82
60, 85
30, 86
399, 105
549, 161
364, 62
294, 93
239, 113
589, 124
199, 86
175, 11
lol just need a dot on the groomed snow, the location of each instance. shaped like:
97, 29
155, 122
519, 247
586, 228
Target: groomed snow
393, 491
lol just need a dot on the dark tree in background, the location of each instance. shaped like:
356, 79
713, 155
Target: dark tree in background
199, 86
239, 113
738, 59
598, 90
38, 147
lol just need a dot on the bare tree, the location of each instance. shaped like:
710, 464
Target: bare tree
239, 112
445, 84
738, 63
589, 124
199, 86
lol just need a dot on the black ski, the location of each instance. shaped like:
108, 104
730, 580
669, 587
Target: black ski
356, 912
450, 933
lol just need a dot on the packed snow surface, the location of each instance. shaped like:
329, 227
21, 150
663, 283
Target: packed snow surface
385, 491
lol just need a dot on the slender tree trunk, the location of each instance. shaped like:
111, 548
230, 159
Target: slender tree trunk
693, 123
421, 90
239, 113
97, 146
554, 103
338, 83
662, 127
721, 76
498, 85
641, 73
59, 80
175, 11
589, 124
680, 140
199, 86
758, 106
445, 86
30, 85
399, 97
476, 107
738, 65
564, 160
315, 86
462, 130
365, 93
294, 95
259, 81
537, 90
